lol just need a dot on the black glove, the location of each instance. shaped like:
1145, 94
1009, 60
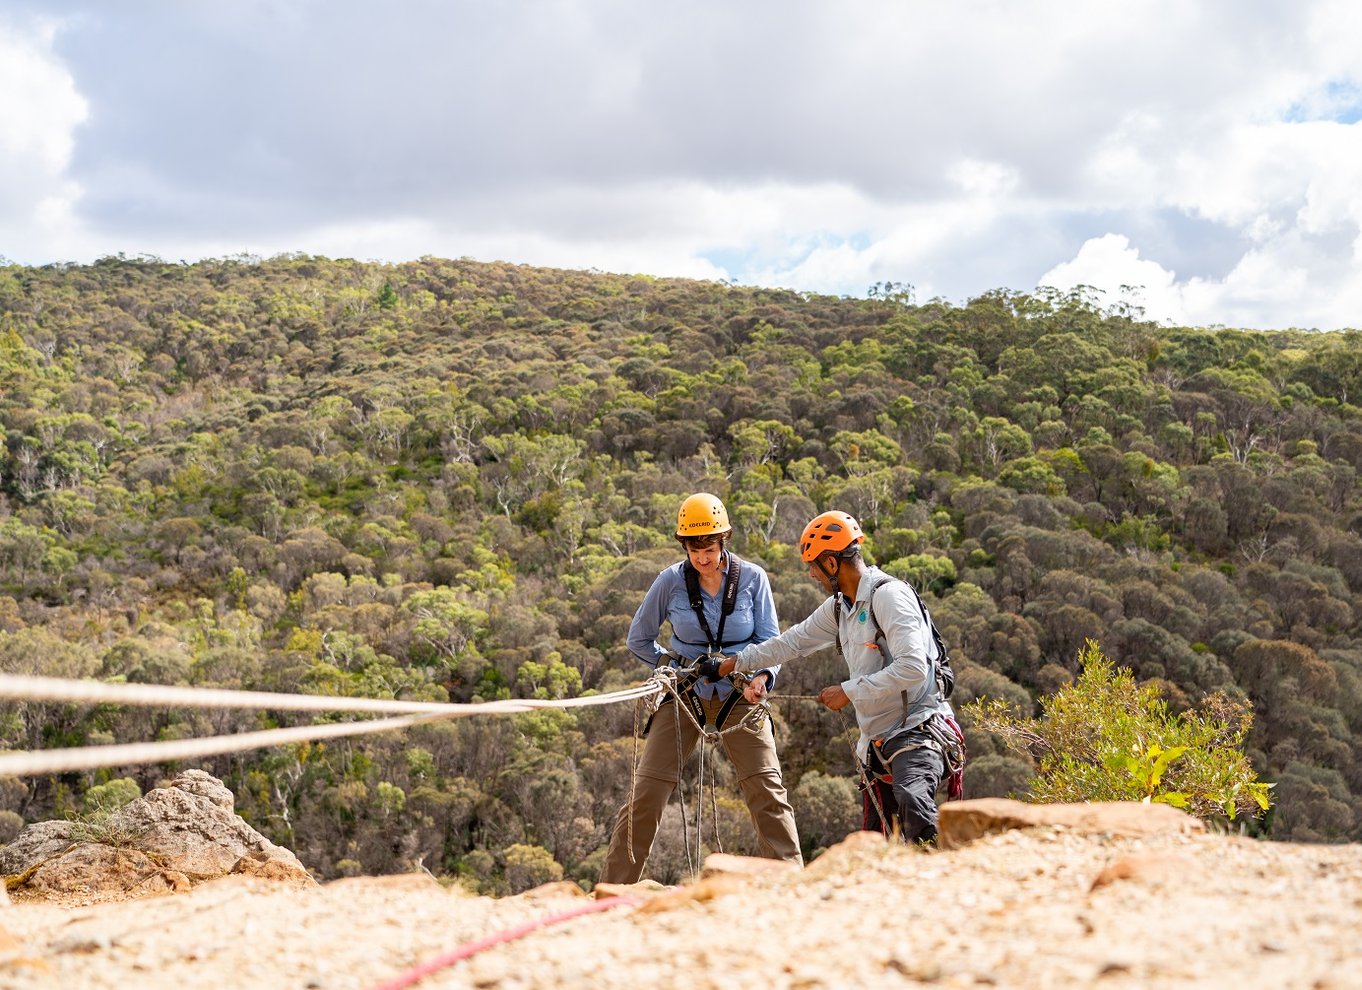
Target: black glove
708, 667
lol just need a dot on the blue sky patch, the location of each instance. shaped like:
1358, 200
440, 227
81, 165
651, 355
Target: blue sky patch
740, 262
1341, 102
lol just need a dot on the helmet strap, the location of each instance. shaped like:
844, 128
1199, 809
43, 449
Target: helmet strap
822, 569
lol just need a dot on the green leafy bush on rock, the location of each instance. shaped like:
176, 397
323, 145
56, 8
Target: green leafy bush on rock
1107, 738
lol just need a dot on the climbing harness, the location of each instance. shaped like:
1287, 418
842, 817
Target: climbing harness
946, 731
714, 642
697, 601
676, 683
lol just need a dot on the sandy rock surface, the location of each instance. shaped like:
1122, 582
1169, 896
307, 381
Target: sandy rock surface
1044, 906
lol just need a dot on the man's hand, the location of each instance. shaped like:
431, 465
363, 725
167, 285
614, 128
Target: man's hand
834, 697
728, 666
755, 692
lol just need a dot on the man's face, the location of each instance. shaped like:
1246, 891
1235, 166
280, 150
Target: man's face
818, 570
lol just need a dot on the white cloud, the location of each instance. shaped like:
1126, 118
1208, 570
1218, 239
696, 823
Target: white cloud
41, 106
1112, 266
960, 148
1292, 192
1274, 287
39, 115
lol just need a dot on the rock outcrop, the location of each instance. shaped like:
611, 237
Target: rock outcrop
964, 821
167, 841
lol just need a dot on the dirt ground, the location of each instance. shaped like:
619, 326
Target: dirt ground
1037, 908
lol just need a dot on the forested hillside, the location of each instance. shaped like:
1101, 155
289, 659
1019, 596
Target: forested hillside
452, 480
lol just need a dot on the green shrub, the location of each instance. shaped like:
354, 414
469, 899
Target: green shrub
1106, 738
827, 808
11, 824
110, 796
992, 775
530, 866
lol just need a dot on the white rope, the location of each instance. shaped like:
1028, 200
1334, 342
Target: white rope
29, 764
22, 687
21, 764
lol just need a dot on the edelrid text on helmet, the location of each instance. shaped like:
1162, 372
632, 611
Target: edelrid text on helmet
701, 515
831, 531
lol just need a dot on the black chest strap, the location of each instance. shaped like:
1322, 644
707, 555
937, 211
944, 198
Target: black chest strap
713, 642
697, 602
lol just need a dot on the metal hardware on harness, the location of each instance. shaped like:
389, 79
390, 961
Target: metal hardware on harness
752, 719
677, 681
666, 677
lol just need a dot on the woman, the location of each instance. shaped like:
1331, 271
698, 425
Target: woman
713, 600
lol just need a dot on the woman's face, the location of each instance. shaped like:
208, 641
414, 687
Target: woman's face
705, 554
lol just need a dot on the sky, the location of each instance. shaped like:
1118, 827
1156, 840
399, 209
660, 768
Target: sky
1198, 161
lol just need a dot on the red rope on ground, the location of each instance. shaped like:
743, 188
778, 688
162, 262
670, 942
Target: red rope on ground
418, 973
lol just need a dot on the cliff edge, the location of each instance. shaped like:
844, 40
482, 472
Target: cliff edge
1112, 896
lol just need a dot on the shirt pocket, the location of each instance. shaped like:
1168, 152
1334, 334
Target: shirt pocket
682, 617
743, 622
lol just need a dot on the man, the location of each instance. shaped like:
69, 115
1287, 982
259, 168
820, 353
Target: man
892, 682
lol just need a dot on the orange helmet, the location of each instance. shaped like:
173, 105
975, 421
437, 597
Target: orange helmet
701, 515
833, 531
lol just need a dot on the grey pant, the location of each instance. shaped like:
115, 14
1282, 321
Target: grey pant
753, 755
910, 798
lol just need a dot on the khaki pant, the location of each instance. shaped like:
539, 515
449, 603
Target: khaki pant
753, 755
